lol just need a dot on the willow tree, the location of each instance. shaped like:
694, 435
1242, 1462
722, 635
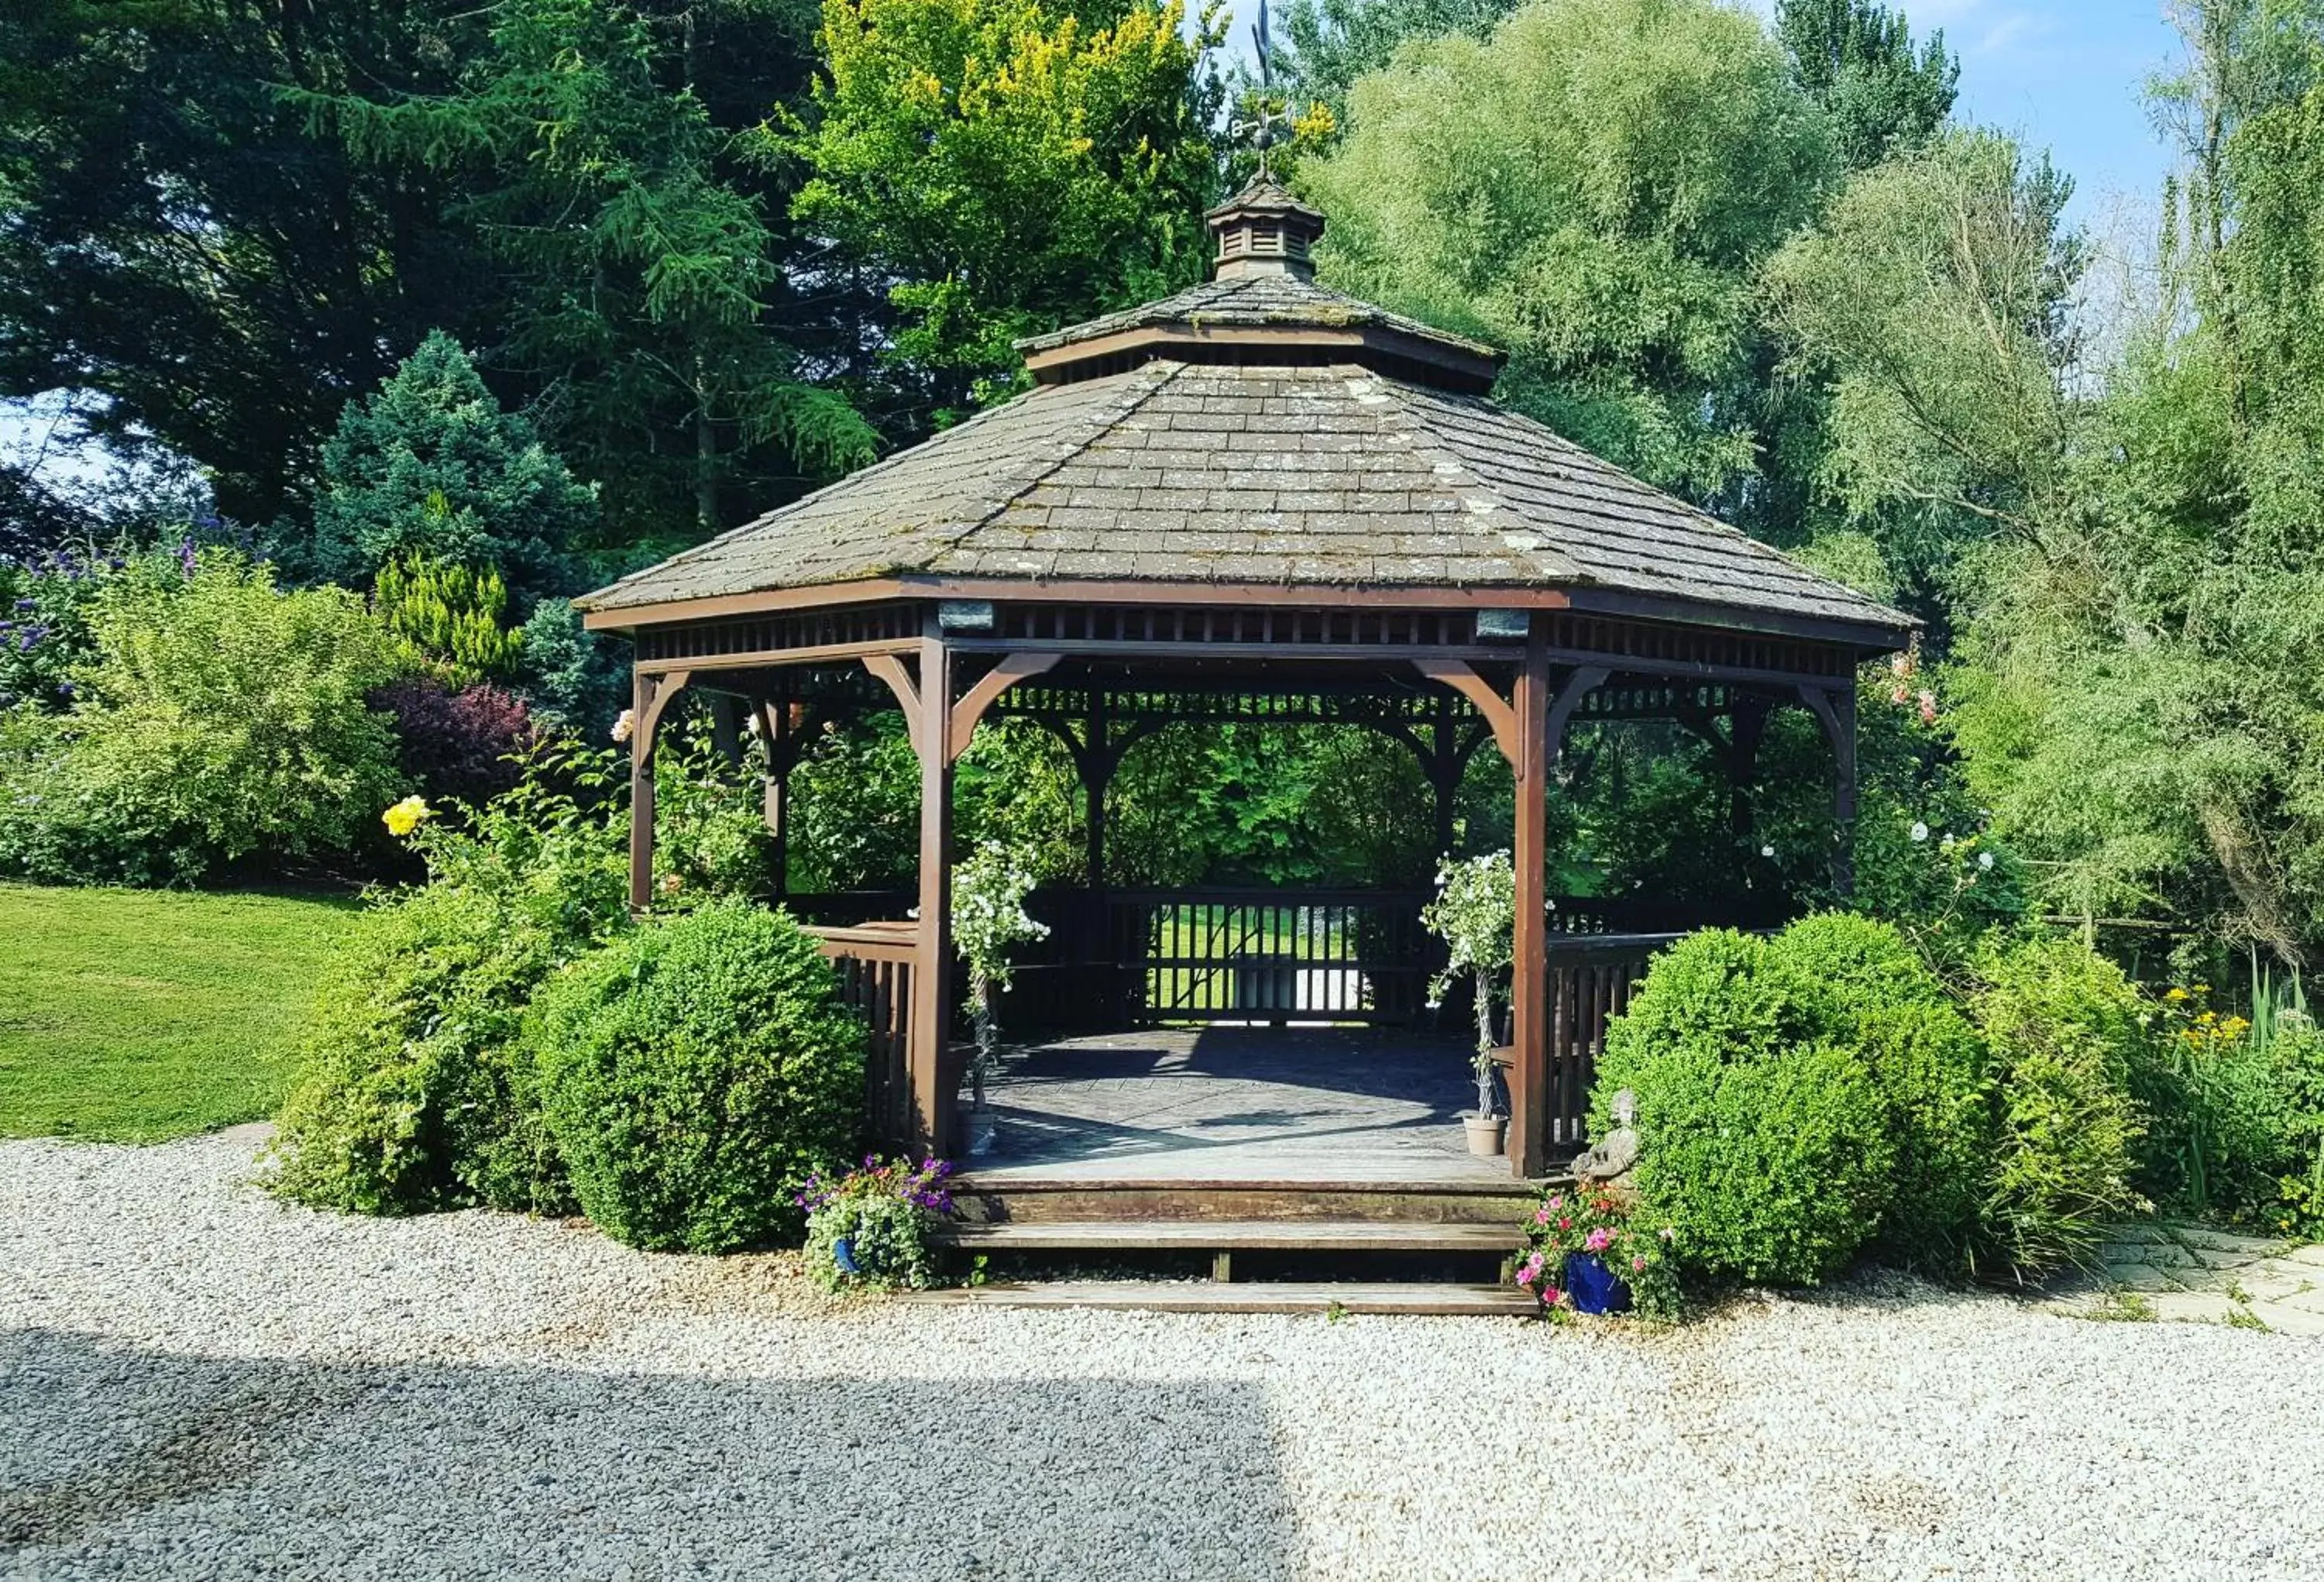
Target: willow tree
1593, 188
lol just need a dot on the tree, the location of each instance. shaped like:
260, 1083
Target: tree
576, 164
1856, 59
1931, 301
1593, 189
1332, 42
175, 242
431, 465
1009, 167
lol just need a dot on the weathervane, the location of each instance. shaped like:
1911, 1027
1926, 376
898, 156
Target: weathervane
1262, 127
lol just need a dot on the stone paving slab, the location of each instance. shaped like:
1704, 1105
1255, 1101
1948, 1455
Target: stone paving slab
2194, 1273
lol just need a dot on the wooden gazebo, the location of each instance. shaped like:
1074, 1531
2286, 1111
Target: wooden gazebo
1257, 499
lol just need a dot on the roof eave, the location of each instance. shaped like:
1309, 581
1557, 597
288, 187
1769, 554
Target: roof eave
1454, 364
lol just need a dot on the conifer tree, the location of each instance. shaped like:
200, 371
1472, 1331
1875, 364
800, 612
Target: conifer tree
431, 465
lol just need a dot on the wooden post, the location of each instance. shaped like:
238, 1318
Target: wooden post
1529, 972
782, 756
1747, 728
726, 728
1096, 767
650, 694
1835, 710
931, 1037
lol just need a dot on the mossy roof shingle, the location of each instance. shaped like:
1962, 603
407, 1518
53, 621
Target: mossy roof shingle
1323, 476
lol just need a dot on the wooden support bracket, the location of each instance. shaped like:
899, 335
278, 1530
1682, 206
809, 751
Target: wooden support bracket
1498, 713
1012, 669
891, 670
660, 690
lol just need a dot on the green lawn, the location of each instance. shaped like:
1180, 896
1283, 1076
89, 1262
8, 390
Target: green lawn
135, 1015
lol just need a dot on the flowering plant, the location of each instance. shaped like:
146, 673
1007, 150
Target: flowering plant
988, 921
1475, 913
1572, 1223
871, 1227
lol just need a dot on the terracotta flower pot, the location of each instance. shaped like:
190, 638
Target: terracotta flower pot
1485, 1133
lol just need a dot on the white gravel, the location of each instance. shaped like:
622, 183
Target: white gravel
197, 1382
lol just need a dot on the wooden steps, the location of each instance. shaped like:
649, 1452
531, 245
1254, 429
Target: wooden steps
1467, 1302
1002, 1197
1236, 1235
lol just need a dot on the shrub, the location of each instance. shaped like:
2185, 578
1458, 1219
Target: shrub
417, 1091
2297, 1051
570, 676
696, 1072
1764, 1147
1927, 1065
222, 717
871, 1227
45, 636
2064, 1029
459, 746
448, 618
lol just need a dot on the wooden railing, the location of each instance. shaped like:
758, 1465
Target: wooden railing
874, 961
1590, 980
1139, 958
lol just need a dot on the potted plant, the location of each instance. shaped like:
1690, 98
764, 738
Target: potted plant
871, 1227
1475, 914
1588, 1252
988, 921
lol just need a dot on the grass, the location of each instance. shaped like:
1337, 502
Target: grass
135, 1016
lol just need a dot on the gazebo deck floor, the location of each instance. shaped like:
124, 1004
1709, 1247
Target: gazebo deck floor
1237, 1106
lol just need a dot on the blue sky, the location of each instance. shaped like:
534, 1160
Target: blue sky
2064, 75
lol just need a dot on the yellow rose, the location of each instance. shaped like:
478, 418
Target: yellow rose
406, 816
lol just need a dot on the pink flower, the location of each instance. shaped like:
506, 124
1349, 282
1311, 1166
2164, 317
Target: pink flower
1598, 1240
1899, 695
1928, 708
1565, 1225
1637, 1262
1557, 1202
1541, 1216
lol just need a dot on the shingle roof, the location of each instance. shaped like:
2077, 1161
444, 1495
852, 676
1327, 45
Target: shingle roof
1329, 477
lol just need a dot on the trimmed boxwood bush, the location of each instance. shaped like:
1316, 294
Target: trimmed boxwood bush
1766, 1147
1927, 1065
695, 1072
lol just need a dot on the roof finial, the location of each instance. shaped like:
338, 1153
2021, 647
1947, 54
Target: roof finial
1262, 127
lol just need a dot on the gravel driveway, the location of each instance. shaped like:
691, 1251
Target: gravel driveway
196, 1382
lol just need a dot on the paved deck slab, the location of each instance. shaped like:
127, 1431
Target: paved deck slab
1258, 1104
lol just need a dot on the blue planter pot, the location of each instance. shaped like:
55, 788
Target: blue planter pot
1595, 1288
842, 1253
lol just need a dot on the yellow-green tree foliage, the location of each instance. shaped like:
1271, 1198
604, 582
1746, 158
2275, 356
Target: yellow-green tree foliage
1012, 165
450, 619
